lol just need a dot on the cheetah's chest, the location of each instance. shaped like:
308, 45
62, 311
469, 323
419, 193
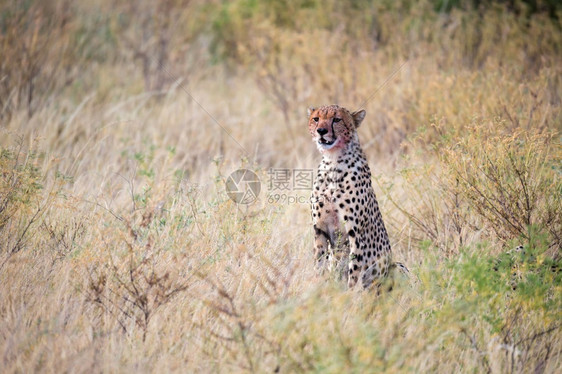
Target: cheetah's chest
338, 191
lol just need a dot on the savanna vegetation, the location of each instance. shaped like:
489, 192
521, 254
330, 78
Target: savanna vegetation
121, 251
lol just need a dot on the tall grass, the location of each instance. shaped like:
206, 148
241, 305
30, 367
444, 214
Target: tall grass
120, 249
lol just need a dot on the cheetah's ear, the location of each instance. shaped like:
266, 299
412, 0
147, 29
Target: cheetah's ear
310, 110
358, 117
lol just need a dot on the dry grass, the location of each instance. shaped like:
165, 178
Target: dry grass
120, 250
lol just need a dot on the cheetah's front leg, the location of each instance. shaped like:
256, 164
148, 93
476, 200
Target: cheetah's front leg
321, 231
321, 242
355, 254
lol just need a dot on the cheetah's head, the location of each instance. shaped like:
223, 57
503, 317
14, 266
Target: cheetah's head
332, 127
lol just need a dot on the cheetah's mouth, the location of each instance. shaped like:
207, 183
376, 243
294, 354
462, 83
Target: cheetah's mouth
325, 142
326, 145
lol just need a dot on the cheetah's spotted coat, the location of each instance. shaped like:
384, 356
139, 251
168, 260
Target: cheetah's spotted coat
345, 211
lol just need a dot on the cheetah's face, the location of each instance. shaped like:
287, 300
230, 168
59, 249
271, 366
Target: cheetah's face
332, 126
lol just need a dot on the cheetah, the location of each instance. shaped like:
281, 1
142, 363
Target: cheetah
345, 213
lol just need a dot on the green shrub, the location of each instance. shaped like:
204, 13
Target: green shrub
20, 198
490, 179
512, 181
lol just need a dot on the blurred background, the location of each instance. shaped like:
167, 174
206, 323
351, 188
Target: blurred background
168, 71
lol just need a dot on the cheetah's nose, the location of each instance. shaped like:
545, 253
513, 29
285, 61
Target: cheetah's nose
322, 131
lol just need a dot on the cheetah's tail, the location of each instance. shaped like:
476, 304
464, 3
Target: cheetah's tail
401, 268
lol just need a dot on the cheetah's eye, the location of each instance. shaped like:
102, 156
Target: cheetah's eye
336, 120
315, 119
